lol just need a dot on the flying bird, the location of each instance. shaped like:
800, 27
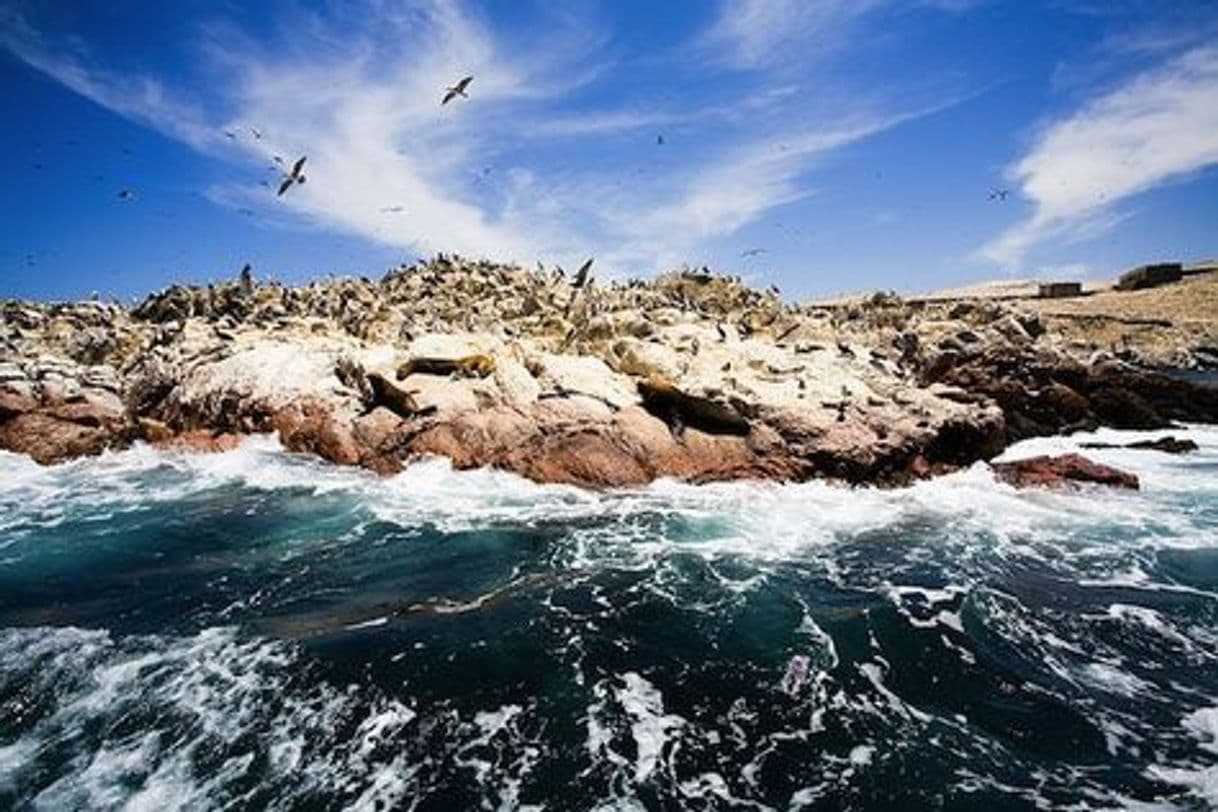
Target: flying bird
230, 134
295, 176
581, 276
393, 208
999, 194
257, 135
752, 252
660, 140
126, 194
457, 90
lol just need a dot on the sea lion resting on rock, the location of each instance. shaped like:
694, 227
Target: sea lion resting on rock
396, 400
471, 366
679, 409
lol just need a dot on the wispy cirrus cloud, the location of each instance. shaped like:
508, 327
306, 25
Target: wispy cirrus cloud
141, 98
359, 94
752, 34
758, 34
1156, 128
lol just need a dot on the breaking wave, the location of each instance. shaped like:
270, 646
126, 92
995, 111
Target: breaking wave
254, 628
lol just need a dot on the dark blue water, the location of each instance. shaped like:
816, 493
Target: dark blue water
253, 629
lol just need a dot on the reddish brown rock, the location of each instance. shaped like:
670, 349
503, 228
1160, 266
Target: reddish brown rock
1044, 393
15, 403
1068, 470
575, 443
202, 441
378, 435
153, 431
313, 428
61, 429
48, 439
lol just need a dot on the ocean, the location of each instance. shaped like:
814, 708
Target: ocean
256, 629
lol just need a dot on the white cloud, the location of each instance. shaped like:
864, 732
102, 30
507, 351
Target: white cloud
360, 97
752, 34
601, 122
761, 33
140, 98
1158, 127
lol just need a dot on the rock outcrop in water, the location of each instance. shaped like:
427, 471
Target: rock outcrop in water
689, 375
1167, 445
1066, 470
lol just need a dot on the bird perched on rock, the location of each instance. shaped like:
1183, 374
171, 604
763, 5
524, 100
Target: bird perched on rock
295, 176
457, 90
581, 276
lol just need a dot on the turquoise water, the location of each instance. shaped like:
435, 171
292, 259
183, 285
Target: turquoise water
255, 629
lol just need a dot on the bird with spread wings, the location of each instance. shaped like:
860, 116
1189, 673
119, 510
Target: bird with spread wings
457, 90
293, 177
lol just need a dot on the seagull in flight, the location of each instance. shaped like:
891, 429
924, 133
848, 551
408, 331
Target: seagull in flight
999, 194
457, 90
295, 176
257, 135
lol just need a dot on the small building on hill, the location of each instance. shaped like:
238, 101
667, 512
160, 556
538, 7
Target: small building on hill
1151, 276
1059, 290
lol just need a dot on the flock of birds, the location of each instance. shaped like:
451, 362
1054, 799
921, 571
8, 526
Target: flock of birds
295, 176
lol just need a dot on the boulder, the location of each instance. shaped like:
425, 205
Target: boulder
1066, 470
48, 439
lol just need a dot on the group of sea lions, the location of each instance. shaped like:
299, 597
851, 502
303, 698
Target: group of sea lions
661, 398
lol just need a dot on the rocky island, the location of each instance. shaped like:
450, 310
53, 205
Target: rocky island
689, 375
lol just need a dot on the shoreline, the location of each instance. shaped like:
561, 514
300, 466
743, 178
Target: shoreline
688, 376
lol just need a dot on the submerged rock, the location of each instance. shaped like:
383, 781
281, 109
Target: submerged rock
1168, 445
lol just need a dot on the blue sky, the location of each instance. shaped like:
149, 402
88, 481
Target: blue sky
855, 141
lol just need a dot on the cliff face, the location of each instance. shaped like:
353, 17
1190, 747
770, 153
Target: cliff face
689, 376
